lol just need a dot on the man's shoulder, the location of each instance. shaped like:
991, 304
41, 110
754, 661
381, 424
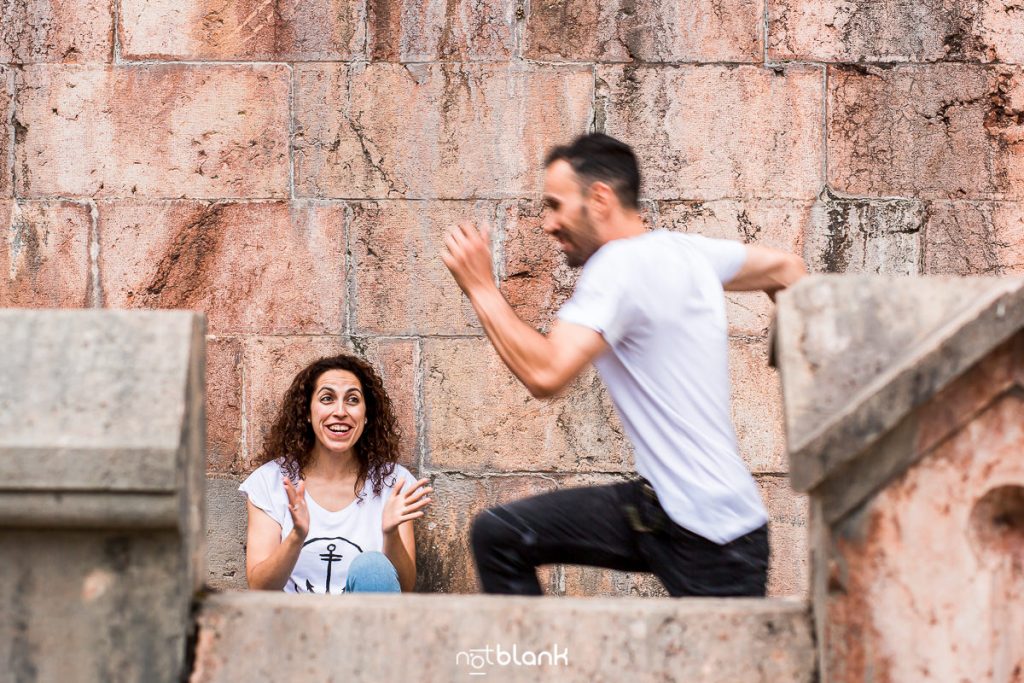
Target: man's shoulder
639, 250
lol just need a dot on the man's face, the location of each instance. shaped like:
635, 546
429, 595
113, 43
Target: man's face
565, 214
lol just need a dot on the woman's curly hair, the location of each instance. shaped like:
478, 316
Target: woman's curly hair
291, 438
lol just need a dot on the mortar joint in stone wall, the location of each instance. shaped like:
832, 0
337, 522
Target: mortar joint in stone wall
419, 402
115, 8
11, 132
95, 281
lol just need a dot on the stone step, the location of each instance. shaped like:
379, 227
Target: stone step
262, 636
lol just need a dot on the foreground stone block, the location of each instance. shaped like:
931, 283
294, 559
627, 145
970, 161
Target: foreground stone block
974, 238
291, 30
713, 132
49, 31
255, 267
435, 30
713, 641
178, 131
833, 408
44, 260
481, 419
101, 492
432, 131
863, 31
645, 31
904, 414
958, 135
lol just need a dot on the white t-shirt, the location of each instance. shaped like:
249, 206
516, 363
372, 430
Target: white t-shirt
657, 300
334, 538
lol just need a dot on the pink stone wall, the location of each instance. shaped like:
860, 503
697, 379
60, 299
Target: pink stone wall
289, 169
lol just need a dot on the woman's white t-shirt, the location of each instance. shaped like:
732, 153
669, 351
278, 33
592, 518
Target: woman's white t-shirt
334, 538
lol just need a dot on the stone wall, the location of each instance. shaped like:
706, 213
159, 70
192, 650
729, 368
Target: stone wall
289, 168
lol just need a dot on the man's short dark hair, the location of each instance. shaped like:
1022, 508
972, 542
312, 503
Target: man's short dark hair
599, 157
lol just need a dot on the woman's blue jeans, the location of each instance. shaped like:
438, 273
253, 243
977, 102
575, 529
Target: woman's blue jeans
372, 572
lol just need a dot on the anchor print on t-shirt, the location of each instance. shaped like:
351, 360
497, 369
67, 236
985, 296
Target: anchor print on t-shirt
323, 565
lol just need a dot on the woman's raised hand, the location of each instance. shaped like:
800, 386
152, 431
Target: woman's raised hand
297, 506
405, 505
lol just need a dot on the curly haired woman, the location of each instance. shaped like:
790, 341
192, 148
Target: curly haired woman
329, 509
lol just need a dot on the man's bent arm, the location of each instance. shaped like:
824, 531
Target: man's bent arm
767, 270
545, 365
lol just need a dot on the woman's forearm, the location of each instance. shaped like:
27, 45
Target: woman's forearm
272, 573
395, 551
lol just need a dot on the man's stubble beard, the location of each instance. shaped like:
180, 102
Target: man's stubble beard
584, 240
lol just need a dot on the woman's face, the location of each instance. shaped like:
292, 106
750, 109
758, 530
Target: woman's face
337, 410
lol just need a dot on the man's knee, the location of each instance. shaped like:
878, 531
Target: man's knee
489, 531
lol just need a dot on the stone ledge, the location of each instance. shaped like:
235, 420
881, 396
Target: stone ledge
420, 637
855, 359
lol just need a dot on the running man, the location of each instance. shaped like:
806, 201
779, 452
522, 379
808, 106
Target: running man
649, 312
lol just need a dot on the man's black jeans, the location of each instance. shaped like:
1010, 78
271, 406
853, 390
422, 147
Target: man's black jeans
621, 526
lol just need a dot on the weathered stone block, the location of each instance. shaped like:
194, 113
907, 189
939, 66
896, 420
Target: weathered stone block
756, 406
262, 267
645, 31
36, 31
224, 450
288, 30
92, 606
934, 558
480, 418
225, 534
270, 365
44, 262
941, 131
974, 238
711, 132
101, 492
789, 565
865, 236
432, 30
401, 286
891, 31
913, 468
160, 131
712, 641
777, 224
431, 130
444, 561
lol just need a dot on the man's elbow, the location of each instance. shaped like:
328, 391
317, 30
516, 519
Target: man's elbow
544, 384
